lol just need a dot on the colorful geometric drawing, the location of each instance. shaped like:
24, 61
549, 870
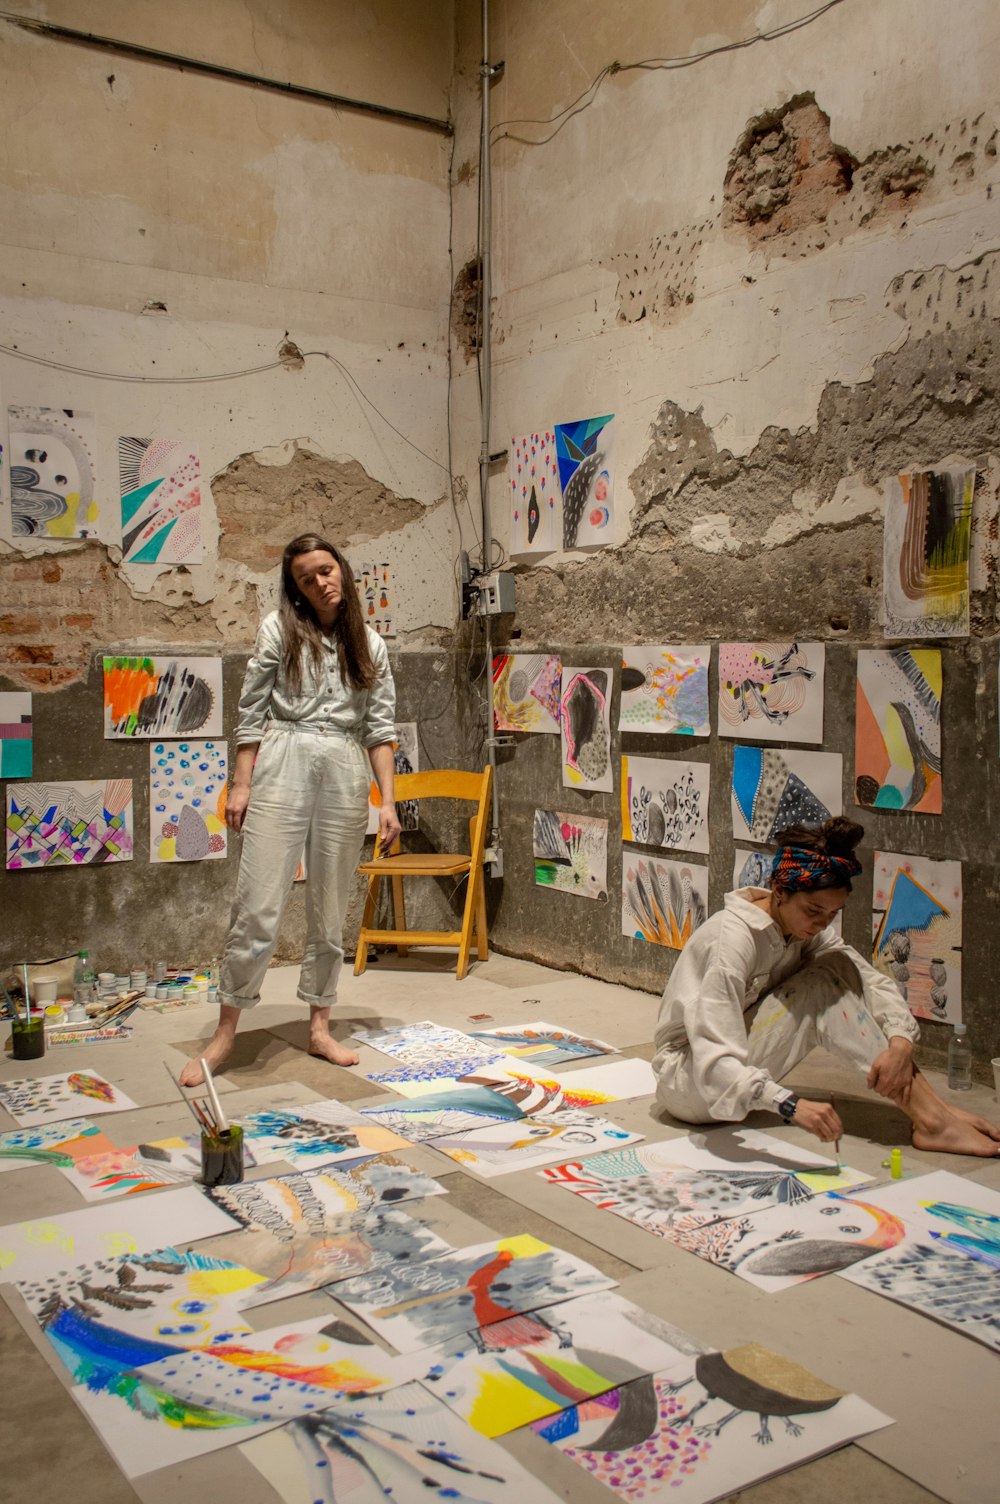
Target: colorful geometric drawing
665, 803
663, 902
898, 731
526, 692
406, 759
160, 696
52, 473
585, 723
771, 691
160, 501
584, 451
571, 853
665, 689
926, 543
15, 735
68, 824
376, 583
535, 493
917, 924
772, 790
188, 783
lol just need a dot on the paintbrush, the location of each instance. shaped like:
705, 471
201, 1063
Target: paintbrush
192, 1107
834, 1169
220, 1117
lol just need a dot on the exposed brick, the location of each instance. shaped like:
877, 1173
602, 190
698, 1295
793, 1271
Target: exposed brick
51, 572
79, 619
14, 625
44, 678
34, 653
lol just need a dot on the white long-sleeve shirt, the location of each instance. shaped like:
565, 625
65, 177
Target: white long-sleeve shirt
735, 956
324, 701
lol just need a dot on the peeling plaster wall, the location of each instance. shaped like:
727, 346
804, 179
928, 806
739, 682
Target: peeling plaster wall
158, 223
777, 268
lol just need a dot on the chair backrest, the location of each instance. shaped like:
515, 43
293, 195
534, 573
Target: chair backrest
444, 783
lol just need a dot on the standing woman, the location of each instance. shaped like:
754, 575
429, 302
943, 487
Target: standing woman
318, 694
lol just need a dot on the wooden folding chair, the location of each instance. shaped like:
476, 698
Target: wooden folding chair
442, 783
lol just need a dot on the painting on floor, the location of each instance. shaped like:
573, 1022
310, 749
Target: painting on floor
415, 1305
571, 853
772, 691
376, 582
665, 803
585, 723
53, 475
404, 1445
735, 1417
926, 542
543, 1044
440, 1113
47, 1144
527, 692
188, 785
45, 1099
160, 501
917, 923
773, 789
585, 455
736, 1148
506, 1375
15, 735
663, 902
406, 759
535, 493
68, 824
665, 689
897, 764
160, 696
314, 1136
100, 1169
424, 1042
501, 1148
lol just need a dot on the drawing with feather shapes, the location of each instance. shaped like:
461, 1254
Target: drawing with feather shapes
663, 902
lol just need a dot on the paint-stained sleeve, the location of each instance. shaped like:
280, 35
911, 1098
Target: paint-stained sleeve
881, 993
258, 682
713, 1021
379, 724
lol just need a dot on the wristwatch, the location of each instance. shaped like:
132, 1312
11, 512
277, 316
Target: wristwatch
786, 1107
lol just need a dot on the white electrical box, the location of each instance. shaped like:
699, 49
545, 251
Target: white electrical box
497, 595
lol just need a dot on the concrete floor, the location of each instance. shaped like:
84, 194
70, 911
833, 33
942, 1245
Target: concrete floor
940, 1387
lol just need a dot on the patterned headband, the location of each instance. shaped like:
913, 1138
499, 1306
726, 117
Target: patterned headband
797, 870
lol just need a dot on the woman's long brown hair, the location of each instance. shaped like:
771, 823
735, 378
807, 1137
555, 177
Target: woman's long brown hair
300, 628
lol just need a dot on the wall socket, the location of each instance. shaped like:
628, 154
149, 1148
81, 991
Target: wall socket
497, 594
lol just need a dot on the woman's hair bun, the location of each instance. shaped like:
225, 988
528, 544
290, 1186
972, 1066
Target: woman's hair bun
836, 837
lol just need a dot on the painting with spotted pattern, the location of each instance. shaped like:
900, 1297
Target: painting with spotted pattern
585, 723
160, 501
774, 788
585, 454
665, 690
535, 493
772, 691
187, 801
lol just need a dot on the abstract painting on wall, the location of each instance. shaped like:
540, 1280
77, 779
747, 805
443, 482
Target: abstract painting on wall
68, 824
663, 902
376, 582
15, 735
404, 1445
415, 1305
571, 853
737, 1416
752, 869
543, 1044
516, 1371
45, 1099
161, 696
917, 923
925, 561
585, 454
773, 789
53, 491
527, 692
502, 1147
665, 689
188, 783
897, 762
406, 759
771, 691
160, 501
665, 803
585, 723
535, 493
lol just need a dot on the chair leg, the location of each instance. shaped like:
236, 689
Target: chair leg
361, 957
399, 912
482, 944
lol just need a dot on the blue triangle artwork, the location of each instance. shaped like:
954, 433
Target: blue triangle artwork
160, 501
586, 476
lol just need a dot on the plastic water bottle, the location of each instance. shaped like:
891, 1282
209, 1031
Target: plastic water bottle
83, 979
959, 1061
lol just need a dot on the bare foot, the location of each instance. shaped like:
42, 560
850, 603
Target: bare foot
215, 1054
327, 1048
952, 1135
991, 1130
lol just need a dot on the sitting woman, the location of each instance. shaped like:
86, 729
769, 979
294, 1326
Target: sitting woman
765, 980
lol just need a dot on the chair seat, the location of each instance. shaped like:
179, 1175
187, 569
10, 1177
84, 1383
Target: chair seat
427, 863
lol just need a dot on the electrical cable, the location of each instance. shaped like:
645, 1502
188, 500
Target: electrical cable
651, 64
